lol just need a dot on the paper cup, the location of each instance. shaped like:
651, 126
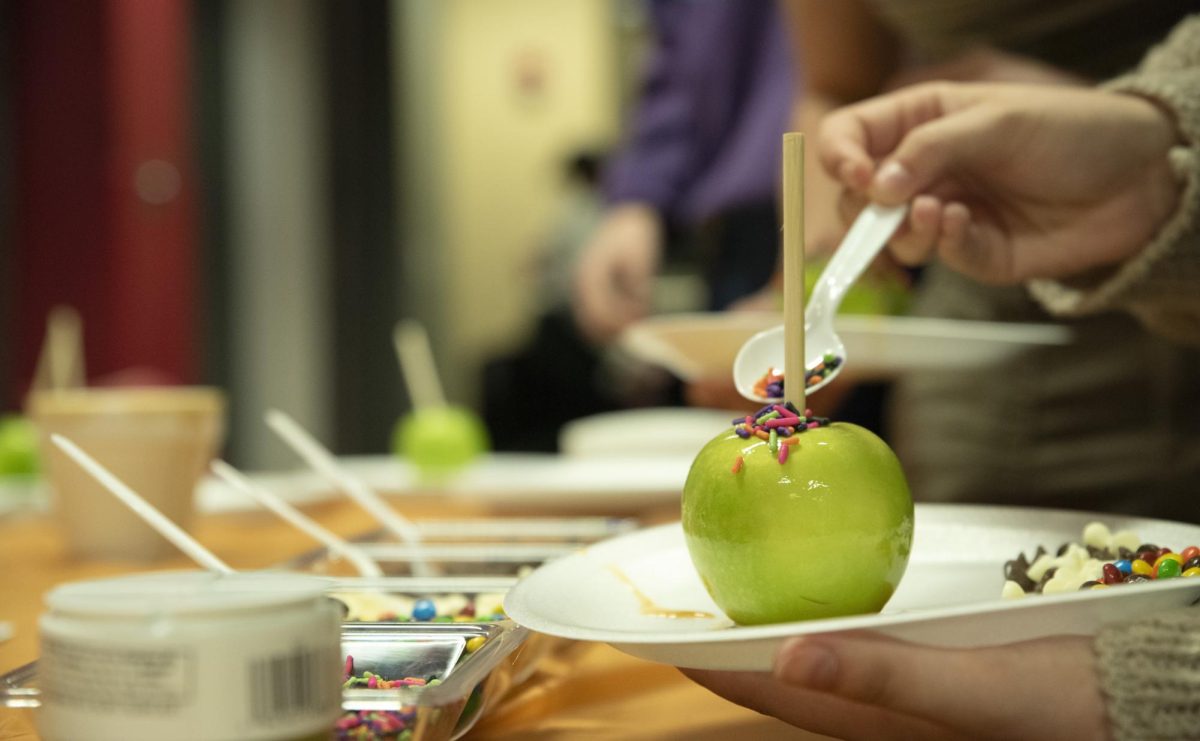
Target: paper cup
156, 440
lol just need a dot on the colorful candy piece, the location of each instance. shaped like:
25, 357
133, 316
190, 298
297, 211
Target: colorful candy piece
1168, 556
376, 725
424, 610
1080, 567
771, 385
1167, 568
1112, 575
778, 425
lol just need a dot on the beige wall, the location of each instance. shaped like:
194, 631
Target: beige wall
513, 86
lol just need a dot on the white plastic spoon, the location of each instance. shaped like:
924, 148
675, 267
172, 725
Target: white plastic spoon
148, 512
363, 563
764, 352
322, 461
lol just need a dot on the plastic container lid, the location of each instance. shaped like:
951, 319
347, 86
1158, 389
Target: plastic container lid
186, 592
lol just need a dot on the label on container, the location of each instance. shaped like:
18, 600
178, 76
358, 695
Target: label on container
245, 680
108, 678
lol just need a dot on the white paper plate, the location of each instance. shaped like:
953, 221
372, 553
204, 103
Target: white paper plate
639, 432
950, 595
699, 345
518, 482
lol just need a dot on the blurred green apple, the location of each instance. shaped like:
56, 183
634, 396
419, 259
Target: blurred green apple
875, 293
440, 440
826, 533
18, 446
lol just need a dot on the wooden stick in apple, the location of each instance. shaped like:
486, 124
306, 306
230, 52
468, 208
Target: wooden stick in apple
793, 268
416, 361
60, 364
436, 437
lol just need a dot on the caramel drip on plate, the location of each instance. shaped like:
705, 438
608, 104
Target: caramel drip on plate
650, 607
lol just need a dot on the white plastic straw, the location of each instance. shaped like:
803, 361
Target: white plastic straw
148, 512
323, 462
365, 565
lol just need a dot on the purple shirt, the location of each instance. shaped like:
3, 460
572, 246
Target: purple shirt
715, 100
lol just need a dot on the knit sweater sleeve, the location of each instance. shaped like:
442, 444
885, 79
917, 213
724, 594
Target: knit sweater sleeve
1161, 285
1149, 671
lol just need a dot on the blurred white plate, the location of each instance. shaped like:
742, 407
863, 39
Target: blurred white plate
950, 595
698, 345
667, 431
23, 494
521, 482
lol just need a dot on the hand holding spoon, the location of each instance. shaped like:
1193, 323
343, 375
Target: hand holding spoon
764, 352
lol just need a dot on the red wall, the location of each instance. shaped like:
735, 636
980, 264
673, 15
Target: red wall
100, 89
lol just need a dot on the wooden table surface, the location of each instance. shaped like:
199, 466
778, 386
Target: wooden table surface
599, 693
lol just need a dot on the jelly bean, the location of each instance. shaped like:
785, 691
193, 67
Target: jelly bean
1125, 566
1191, 563
1135, 578
1148, 556
1139, 566
1194, 571
1112, 575
1167, 568
424, 610
1168, 557
1189, 553
475, 643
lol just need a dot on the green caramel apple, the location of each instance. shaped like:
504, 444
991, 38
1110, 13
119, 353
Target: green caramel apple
18, 446
440, 440
825, 533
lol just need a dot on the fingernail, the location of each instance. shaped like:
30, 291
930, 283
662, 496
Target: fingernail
855, 174
807, 665
893, 178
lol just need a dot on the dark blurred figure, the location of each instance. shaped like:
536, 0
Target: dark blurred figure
557, 375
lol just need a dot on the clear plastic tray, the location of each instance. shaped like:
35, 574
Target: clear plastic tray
437, 712
391, 599
443, 560
549, 530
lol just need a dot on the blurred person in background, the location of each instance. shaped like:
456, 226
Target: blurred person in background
1077, 426
555, 375
696, 178
693, 186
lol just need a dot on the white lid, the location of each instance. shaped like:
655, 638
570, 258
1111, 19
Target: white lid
180, 592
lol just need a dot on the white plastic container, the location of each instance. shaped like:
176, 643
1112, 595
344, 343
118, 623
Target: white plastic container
190, 655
